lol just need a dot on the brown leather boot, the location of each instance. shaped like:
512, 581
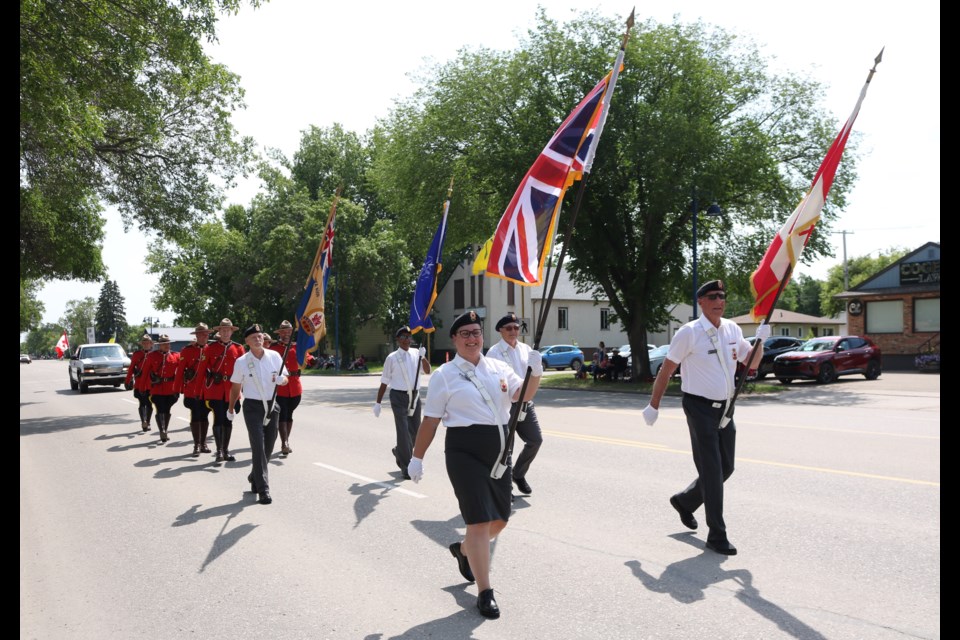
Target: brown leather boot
204, 427
284, 437
195, 432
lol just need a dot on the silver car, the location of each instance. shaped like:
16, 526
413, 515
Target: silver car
103, 363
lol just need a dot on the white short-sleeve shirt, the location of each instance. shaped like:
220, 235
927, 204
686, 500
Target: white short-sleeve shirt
396, 364
516, 357
454, 399
695, 347
267, 368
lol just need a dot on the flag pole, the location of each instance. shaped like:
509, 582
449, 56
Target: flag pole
546, 302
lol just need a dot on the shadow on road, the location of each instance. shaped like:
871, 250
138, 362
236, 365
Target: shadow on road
458, 625
40, 426
227, 537
687, 581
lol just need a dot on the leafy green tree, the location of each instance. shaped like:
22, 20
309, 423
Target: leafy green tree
78, 315
111, 318
120, 105
41, 340
860, 268
31, 309
695, 108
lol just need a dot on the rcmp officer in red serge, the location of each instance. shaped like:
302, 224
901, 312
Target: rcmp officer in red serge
472, 395
160, 368
708, 349
190, 380
139, 382
218, 359
516, 354
256, 374
400, 375
289, 395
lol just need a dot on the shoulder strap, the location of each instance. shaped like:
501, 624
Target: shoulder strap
471, 375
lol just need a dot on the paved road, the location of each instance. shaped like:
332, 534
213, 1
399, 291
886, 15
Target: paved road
835, 506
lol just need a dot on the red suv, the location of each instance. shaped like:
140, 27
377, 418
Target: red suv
823, 359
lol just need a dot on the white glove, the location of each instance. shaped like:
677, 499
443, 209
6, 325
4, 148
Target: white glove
422, 351
283, 380
763, 332
535, 362
376, 409
231, 414
650, 415
415, 469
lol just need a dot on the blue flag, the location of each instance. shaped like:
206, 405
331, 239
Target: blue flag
426, 292
312, 326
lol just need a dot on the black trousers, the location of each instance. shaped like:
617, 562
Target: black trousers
288, 405
262, 440
713, 454
405, 425
199, 411
529, 431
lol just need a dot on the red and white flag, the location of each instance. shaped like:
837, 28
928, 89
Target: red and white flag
784, 252
62, 346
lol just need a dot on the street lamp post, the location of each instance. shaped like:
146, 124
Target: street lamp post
712, 210
150, 320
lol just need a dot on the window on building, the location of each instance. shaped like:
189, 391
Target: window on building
605, 319
562, 318
458, 294
473, 291
785, 331
511, 292
826, 331
885, 316
480, 290
926, 314
800, 332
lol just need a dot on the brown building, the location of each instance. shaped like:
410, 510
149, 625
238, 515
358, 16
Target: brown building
899, 309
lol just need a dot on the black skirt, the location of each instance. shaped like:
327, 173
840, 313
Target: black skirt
471, 453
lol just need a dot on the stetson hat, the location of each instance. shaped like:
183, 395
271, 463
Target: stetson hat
146, 338
284, 325
201, 326
227, 324
163, 339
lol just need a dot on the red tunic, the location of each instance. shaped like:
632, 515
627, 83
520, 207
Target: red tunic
135, 371
293, 388
190, 373
218, 359
160, 370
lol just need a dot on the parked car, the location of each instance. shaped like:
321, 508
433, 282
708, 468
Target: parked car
25, 358
561, 356
98, 363
657, 356
773, 347
823, 359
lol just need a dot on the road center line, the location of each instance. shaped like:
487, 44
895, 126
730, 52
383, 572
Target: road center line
392, 486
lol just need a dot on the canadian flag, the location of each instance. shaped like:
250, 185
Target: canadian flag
62, 346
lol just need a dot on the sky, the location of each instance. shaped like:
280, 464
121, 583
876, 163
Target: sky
304, 62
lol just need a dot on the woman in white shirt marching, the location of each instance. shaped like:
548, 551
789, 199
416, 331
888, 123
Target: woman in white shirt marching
472, 396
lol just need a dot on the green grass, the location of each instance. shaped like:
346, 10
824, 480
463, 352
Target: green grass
673, 388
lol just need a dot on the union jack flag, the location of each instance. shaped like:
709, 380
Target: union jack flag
525, 232
784, 252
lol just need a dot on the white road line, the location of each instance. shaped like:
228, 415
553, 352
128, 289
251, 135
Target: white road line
386, 485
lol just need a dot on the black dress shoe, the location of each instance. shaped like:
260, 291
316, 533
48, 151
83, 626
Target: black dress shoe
722, 547
522, 485
219, 457
229, 457
686, 517
265, 498
487, 605
462, 562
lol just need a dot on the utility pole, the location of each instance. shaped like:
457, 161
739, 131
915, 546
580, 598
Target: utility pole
846, 271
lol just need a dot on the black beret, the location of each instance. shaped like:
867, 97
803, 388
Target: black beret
252, 329
470, 317
510, 318
708, 287
401, 331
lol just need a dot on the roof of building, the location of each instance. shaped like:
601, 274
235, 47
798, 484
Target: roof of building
790, 317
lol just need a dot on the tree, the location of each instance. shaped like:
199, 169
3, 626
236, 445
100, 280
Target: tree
111, 318
695, 108
859, 268
31, 309
119, 105
78, 315
41, 340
